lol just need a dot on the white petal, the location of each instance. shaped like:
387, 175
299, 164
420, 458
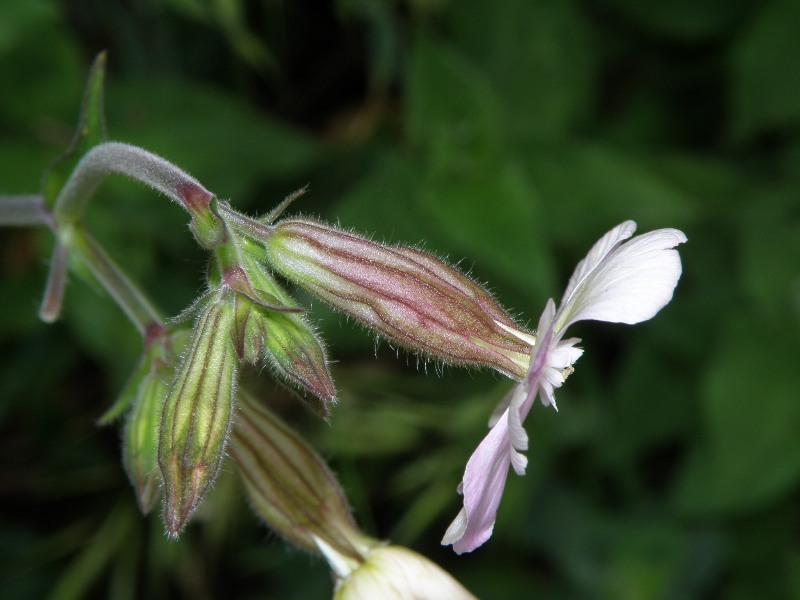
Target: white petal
395, 573
546, 395
457, 528
629, 284
516, 432
519, 462
565, 354
597, 254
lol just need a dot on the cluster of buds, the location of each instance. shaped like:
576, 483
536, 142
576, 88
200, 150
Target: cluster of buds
412, 298
184, 411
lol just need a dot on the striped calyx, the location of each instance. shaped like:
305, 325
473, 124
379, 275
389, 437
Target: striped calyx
409, 296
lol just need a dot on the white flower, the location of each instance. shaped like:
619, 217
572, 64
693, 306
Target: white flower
618, 283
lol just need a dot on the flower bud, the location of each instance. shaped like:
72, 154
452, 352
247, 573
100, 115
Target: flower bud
297, 355
140, 440
289, 485
409, 296
270, 328
397, 573
141, 401
197, 413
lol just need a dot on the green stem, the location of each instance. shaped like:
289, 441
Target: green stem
130, 299
56, 279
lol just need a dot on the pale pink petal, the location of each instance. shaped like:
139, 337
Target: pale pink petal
483, 484
487, 469
519, 439
617, 282
629, 284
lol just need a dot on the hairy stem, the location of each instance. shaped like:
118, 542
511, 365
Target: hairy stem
24, 211
124, 159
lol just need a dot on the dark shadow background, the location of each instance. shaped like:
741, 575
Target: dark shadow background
505, 135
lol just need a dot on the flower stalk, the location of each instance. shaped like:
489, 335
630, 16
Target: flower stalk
136, 306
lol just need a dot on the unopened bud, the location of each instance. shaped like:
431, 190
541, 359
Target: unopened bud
289, 485
409, 296
270, 328
140, 441
141, 402
197, 413
297, 355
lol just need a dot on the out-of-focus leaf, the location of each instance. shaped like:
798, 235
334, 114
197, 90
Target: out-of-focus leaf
230, 17
383, 200
90, 132
384, 38
452, 109
536, 56
751, 454
612, 555
494, 218
587, 188
646, 415
40, 69
685, 20
21, 165
87, 568
765, 94
91, 316
770, 248
211, 134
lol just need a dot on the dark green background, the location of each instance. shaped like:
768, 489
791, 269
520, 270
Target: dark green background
505, 135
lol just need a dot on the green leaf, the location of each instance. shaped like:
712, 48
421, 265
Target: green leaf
685, 20
751, 455
214, 135
590, 187
770, 247
40, 66
382, 200
537, 57
612, 555
452, 109
765, 94
91, 131
669, 409
492, 215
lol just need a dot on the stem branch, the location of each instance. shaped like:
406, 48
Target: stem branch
141, 165
132, 301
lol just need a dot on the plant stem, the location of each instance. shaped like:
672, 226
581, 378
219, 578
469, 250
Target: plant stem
24, 211
56, 279
130, 299
124, 159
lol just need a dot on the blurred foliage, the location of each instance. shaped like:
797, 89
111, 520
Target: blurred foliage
506, 135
